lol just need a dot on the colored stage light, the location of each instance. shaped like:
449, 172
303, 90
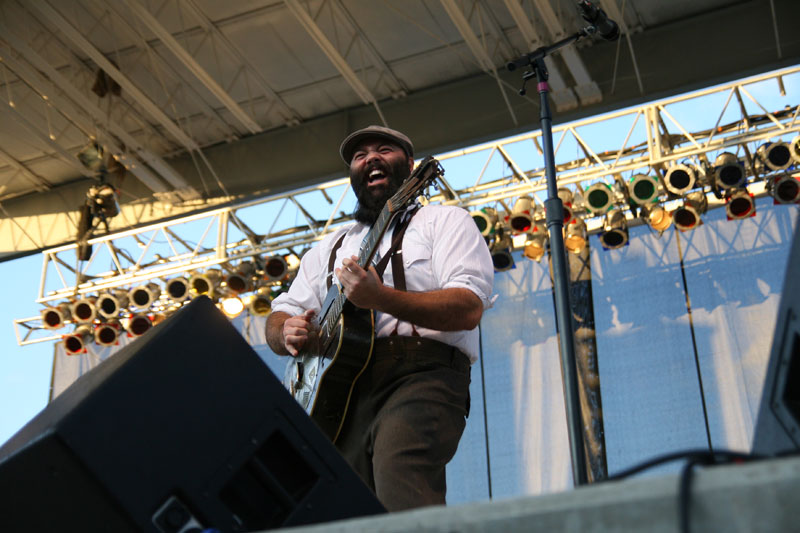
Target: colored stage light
567, 199
107, 333
521, 216
599, 198
785, 189
76, 342
575, 236
55, 317
656, 217
615, 230
143, 296
232, 306
680, 179
643, 189
687, 216
775, 156
486, 220
535, 242
729, 171
740, 205
177, 289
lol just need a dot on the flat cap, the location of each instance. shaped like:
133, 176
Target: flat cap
351, 142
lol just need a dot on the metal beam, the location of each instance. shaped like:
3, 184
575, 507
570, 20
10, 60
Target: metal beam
89, 49
333, 55
194, 67
99, 116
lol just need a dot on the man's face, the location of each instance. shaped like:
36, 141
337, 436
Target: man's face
377, 170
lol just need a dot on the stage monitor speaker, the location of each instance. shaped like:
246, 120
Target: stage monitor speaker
185, 429
778, 425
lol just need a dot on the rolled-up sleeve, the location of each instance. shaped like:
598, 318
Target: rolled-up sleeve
460, 257
303, 294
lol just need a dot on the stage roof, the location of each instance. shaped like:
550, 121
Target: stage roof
206, 102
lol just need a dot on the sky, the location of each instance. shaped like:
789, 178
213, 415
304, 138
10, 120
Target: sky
25, 371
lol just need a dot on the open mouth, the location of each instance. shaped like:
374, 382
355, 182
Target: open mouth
376, 177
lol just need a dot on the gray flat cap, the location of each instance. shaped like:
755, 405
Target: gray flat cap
349, 144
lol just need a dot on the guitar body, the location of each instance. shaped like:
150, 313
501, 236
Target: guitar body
323, 384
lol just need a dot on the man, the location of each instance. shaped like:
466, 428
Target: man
408, 408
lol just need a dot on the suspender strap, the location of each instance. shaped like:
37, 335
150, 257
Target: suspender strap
332, 259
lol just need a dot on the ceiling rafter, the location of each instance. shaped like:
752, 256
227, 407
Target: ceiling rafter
47, 11
473, 43
333, 55
192, 65
97, 114
290, 116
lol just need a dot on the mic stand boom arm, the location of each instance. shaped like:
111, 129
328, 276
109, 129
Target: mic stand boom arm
554, 209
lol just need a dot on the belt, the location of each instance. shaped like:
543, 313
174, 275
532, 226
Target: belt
397, 346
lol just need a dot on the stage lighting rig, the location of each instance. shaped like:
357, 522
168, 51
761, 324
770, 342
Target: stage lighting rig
260, 302
687, 216
207, 283
729, 172
231, 305
107, 333
55, 317
615, 230
138, 325
567, 198
643, 189
599, 198
76, 342
144, 296
110, 304
775, 155
521, 217
84, 310
501, 251
178, 289
486, 219
740, 205
656, 217
681, 178
575, 236
784, 188
535, 242
241, 280
275, 268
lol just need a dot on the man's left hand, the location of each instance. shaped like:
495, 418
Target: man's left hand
362, 287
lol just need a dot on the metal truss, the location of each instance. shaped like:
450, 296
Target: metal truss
691, 129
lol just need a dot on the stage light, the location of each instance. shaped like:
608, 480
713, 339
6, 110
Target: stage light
615, 230
536, 242
599, 198
206, 283
575, 236
656, 217
103, 200
729, 171
275, 268
486, 220
292, 260
110, 304
107, 333
143, 296
784, 189
84, 310
232, 306
687, 216
740, 205
76, 342
794, 149
260, 303
55, 317
178, 289
521, 216
567, 199
680, 179
501, 252
138, 325
643, 189
241, 280
776, 155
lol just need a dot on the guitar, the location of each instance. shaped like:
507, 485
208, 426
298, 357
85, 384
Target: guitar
323, 382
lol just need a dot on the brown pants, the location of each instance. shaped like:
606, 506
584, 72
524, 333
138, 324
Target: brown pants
405, 419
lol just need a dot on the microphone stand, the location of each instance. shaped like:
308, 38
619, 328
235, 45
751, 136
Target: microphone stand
554, 209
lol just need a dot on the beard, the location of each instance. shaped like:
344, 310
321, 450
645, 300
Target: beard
371, 202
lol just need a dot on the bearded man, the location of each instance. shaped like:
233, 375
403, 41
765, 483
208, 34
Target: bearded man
408, 408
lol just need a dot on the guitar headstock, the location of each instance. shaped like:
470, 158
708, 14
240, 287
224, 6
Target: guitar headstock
422, 176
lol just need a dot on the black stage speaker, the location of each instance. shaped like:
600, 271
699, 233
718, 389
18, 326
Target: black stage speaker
182, 430
778, 425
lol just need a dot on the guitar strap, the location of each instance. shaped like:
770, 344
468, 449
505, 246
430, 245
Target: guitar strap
395, 254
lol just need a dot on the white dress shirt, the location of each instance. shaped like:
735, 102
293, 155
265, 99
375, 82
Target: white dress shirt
442, 248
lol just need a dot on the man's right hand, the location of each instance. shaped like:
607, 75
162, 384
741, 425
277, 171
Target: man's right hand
300, 331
